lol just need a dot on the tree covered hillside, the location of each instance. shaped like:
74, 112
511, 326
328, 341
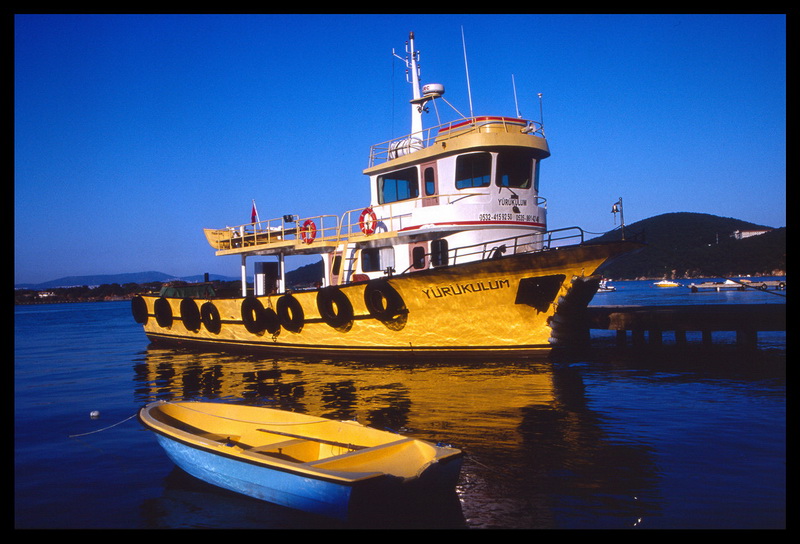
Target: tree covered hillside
690, 245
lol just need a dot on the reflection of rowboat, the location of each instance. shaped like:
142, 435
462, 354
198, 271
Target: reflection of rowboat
304, 462
451, 256
666, 283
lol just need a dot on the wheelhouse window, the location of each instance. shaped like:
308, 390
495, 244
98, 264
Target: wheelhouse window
515, 170
473, 170
400, 185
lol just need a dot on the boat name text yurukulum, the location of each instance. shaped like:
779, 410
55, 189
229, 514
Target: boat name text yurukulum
460, 289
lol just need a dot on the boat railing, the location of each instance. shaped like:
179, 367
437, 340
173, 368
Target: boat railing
562, 237
281, 229
403, 145
325, 230
395, 216
512, 245
358, 223
313, 230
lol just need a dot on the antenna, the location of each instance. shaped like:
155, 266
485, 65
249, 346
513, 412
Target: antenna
416, 112
411, 61
541, 114
516, 104
466, 67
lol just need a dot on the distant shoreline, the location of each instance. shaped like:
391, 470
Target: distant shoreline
128, 296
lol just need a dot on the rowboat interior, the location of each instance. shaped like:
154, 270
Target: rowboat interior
357, 453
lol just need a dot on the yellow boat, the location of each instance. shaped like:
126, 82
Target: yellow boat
327, 467
450, 256
667, 283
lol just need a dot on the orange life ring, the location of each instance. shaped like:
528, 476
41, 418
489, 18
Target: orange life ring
308, 231
368, 227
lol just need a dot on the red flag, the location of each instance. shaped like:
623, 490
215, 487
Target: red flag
253, 213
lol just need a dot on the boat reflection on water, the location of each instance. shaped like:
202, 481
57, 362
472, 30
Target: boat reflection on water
530, 441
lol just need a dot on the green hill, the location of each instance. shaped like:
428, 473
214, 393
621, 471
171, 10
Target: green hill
690, 245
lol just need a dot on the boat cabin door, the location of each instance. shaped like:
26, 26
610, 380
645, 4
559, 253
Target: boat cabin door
430, 183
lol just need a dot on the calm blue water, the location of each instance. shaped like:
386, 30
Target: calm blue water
671, 438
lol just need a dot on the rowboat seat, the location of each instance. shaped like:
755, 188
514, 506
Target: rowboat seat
296, 450
275, 445
395, 455
275, 450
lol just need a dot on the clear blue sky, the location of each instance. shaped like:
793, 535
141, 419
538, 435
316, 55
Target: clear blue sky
132, 133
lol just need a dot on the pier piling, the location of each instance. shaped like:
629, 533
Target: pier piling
648, 323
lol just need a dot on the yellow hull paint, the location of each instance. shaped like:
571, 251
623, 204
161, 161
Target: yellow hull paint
494, 306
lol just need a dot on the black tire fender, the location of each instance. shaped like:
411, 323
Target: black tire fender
163, 312
209, 315
139, 310
190, 314
334, 307
253, 315
382, 300
290, 313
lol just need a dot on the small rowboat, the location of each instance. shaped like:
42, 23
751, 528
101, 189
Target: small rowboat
304, 462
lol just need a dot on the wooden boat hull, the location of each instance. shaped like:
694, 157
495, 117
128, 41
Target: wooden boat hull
233, 453
218, 238
498, 306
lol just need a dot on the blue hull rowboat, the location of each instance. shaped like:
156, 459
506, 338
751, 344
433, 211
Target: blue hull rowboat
326, 467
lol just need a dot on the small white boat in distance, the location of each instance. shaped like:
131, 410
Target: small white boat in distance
605, 286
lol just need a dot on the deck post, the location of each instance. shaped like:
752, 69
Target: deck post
282, 286
244, 275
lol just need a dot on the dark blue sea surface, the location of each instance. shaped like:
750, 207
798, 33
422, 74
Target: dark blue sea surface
677, 437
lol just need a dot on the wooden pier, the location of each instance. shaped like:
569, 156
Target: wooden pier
737, 285
746, 320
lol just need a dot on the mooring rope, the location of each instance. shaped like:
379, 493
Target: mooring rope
183, 405
104, 429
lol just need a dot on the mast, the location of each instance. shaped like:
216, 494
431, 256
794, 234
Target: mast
416, 107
